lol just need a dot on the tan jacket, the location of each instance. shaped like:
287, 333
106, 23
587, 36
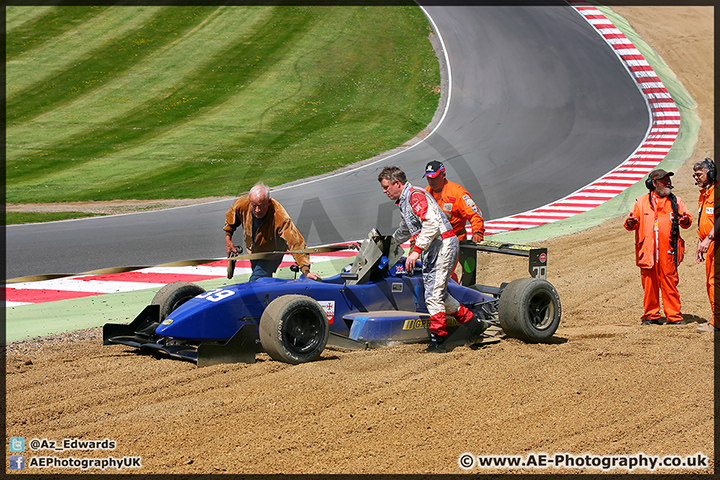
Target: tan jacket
277, 232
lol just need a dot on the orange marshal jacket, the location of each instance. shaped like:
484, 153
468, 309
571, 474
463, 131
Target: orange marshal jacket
277, 232
646, 250
458, 207
706, 212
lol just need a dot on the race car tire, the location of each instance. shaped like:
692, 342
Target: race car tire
174, 294
529, 309
294, 329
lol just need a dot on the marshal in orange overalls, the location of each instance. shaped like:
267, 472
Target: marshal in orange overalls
706, 222
654, 255
456, 204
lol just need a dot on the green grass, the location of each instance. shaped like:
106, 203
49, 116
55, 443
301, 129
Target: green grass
108, 103
13, 218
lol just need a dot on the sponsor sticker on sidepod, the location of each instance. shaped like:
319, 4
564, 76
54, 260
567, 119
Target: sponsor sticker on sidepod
329, 307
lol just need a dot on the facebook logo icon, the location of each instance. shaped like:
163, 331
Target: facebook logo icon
17, 462
17, 444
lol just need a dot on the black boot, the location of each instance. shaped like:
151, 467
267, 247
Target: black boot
476, 326
436, 344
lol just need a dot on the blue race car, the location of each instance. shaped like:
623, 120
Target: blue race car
373, 302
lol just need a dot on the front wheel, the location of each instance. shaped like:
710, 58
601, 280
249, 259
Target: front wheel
174, 294
294, 329
529, 309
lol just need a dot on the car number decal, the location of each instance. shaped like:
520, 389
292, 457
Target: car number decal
216, 295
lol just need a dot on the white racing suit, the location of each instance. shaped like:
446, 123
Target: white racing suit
439, 247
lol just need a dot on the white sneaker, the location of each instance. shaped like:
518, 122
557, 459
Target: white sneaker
707, 327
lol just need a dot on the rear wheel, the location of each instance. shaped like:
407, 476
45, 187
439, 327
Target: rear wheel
294, 329
172, 295
529, 309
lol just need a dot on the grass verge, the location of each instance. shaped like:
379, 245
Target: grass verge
13, 218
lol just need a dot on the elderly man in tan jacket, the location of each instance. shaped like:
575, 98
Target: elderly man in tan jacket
267, 227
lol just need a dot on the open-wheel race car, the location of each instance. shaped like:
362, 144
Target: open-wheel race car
373, 302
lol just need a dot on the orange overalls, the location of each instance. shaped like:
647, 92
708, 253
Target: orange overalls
654, 256
457, 205
706, 222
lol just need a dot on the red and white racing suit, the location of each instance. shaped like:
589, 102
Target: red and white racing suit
438, 245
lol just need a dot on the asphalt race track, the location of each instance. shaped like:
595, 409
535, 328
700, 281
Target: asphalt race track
539, 106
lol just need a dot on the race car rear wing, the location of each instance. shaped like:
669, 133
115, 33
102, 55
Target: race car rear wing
468, 258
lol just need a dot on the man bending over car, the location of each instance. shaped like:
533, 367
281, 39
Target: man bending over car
437, 246
267, 228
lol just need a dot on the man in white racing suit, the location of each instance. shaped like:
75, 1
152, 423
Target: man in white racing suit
437, 246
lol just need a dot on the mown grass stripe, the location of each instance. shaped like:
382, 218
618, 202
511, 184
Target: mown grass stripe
157, 74
36, 32
72, 46
16, 16
104, 64
239, 64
